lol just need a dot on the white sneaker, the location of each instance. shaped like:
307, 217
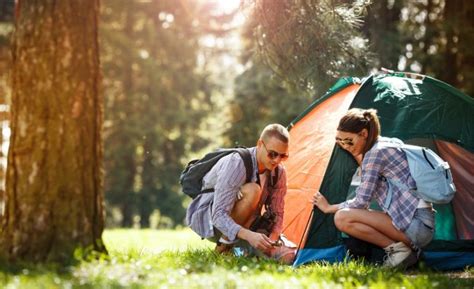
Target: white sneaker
399, 254
225, 241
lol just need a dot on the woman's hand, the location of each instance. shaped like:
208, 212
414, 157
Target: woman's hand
320, 201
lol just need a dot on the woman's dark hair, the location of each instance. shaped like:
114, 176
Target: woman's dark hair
356, 119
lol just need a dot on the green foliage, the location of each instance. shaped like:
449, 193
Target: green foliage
381, 27
428, 37
436, 38
136, 264
293, 50
257, 102
260, 97
311, 43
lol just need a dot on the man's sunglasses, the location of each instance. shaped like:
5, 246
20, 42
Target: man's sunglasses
271, 154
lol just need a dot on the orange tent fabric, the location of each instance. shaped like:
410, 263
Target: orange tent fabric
311, 144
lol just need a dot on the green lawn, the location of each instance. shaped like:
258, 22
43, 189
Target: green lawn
179, 259
122, 241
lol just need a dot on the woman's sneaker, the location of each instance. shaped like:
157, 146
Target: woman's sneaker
399, 255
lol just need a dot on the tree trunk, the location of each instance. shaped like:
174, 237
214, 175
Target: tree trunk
54, 201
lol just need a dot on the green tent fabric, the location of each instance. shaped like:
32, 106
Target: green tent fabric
405, 112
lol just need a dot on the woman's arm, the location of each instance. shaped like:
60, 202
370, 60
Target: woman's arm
320, 201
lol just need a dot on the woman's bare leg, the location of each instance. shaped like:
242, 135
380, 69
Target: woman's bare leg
372, 226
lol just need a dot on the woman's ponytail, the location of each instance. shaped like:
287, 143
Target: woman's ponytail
356, 119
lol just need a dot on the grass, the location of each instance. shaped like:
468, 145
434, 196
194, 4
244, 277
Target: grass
179, 259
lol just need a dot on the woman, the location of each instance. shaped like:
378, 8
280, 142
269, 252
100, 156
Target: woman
407, 223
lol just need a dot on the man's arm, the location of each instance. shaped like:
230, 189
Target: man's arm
257, 240
231, 176
278, 203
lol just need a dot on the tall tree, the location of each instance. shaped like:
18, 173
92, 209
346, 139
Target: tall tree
54, 177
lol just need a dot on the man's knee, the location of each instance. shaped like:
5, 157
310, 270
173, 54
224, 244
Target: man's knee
250, 192
248, 202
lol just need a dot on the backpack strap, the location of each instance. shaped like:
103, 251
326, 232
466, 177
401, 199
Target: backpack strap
274, 179
270, 185
244, 153
247, 158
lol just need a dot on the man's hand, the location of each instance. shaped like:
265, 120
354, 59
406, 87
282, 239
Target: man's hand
257, 240
260, 241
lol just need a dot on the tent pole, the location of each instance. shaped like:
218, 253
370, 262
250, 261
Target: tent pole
305, 231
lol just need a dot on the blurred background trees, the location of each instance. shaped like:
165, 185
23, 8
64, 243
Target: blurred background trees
158, 90
295, 50
181, 77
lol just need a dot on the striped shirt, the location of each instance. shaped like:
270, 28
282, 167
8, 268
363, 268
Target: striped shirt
389, 162
213, 209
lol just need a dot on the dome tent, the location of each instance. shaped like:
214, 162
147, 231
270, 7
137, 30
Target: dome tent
415, 108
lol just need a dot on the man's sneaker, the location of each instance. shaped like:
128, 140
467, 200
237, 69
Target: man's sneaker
399, 255
223, 248
224, 245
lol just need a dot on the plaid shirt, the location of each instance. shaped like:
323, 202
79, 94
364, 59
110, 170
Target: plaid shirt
226, 177
389, 162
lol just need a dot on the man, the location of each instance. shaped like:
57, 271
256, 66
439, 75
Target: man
225, 215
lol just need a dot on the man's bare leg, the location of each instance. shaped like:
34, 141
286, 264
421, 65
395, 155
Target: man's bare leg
244, 209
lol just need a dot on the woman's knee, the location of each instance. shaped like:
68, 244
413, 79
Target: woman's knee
341, 219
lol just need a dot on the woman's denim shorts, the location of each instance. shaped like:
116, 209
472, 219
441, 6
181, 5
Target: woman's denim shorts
421, 229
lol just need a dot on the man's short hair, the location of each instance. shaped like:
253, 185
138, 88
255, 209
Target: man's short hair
277, 131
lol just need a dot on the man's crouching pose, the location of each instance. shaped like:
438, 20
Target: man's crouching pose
227, 214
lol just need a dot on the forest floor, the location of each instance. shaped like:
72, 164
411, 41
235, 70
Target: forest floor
179, 259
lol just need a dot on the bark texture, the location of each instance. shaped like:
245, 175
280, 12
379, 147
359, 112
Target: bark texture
54, 200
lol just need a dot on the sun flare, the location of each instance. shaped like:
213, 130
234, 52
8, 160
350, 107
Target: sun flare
227, 6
